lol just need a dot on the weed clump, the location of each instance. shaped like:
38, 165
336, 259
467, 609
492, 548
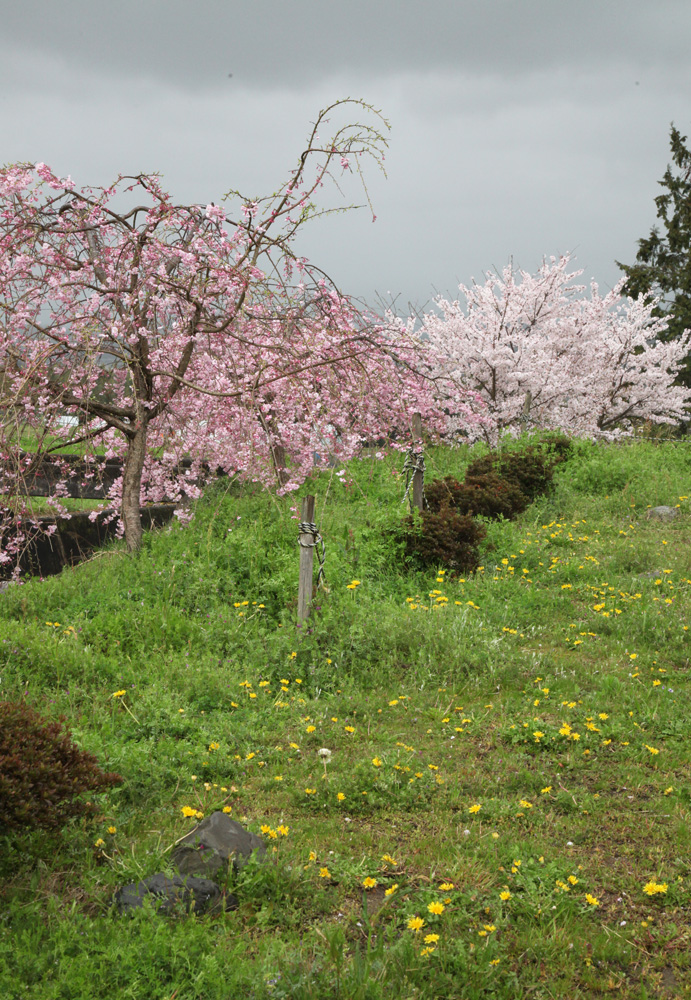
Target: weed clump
43, 774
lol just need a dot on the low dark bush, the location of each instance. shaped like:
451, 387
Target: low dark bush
531, 470
487, 495
497, 485
43, 774
444, 538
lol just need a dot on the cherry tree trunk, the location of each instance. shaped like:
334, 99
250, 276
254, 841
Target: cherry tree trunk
277, 450
278, 454
131, 489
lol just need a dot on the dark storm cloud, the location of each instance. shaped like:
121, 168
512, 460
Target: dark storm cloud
520, 128
292, 43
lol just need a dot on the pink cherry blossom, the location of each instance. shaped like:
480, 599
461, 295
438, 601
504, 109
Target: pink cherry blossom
174, 332
540, 354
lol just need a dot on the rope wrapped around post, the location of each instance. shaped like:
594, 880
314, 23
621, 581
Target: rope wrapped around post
414, 463
316, 542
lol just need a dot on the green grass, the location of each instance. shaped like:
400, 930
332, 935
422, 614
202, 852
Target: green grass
39, 506
575, 629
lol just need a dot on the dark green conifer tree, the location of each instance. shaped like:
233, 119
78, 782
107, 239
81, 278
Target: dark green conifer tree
663, 262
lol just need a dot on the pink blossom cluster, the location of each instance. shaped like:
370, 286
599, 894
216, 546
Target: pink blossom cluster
167, 332
540, 354
162, 333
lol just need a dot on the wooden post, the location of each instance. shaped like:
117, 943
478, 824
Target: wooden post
417, 475
306, 561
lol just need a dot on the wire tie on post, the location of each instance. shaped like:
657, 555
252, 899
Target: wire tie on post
309, 528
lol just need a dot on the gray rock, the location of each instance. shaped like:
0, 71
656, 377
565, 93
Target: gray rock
173, 892
662, 513
202, 860
212, 844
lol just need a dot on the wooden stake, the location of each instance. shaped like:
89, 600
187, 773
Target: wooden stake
417, 475
306, 561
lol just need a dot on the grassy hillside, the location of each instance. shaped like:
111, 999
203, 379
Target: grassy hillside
505, 811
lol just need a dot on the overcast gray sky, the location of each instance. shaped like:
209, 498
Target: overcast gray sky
520, 128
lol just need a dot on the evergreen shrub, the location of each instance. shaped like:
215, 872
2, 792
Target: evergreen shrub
43, 774
487, 495
444, 538
531, 469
